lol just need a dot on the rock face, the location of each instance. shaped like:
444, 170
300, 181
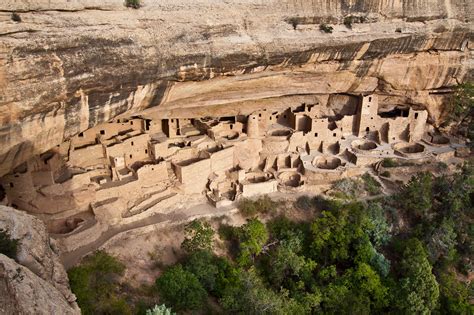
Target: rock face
68, 66
23, 292
38, 283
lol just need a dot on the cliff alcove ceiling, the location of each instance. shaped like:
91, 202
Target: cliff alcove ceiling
69, 66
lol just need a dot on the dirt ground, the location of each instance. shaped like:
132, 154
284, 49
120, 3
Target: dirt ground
147, 252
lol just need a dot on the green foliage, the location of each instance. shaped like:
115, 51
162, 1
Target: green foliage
371, 185
135, 4
8, 245
351, 19
388, 162
198, 236
214, 273
416, 196
376, 225
252, 236
95, 282
385, 174
181, 289
160, 310
326, 28
461, 109
442, 241
16, 17
455, 295
249, 207
419, 291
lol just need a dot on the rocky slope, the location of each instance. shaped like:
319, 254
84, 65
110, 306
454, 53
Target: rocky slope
69, 65
37, 283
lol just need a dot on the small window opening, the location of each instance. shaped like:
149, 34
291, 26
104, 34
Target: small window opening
334, 134
416, 115
315, 134
231, 126
102, 132
132, 143
131, 122
367, 129
370, 98
146, 151
11, 185
130, 156
81, 135
259, 115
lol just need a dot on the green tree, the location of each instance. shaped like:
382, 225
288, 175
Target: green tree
160, 310
416, 196
8, 245
419, 291
252, 237
461, 110
455, 295
198, 236
181, 289
95, 283
214, 273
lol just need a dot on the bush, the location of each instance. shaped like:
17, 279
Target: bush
387, 162
160, 310
95, 284
181, 289
8, 245
248, 207
135, 4
371, 185
385, 174
16, 17
326, 28
199, 236
349, 20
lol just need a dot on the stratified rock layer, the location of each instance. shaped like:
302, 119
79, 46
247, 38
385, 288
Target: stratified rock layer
38, 283
68, 66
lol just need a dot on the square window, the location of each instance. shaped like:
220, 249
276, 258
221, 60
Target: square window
334, 134
102, 132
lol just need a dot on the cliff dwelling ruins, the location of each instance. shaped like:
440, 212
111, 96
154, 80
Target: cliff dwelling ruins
131, 168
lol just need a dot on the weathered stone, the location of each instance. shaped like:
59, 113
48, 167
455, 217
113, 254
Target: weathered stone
37, 252
68, 66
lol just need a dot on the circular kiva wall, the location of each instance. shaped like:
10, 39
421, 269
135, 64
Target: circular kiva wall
292, 179
327, 162
280, 133
257, 177
413, 148
364, 145
437, 139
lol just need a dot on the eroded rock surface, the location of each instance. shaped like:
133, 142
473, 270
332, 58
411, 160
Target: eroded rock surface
23, 292
41, 284
68, 66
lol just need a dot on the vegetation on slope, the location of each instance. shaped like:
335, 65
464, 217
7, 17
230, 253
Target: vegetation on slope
405, 254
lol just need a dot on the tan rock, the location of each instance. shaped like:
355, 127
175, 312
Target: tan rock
37, 251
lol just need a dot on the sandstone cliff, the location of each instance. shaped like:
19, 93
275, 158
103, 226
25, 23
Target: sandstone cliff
38, 283
68, 66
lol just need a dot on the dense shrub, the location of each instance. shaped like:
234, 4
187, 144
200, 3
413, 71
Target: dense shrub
249, 207
95, 282
8, 245
160, 310
181, 289
326, 28
135, 4
371, 185
198, 236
